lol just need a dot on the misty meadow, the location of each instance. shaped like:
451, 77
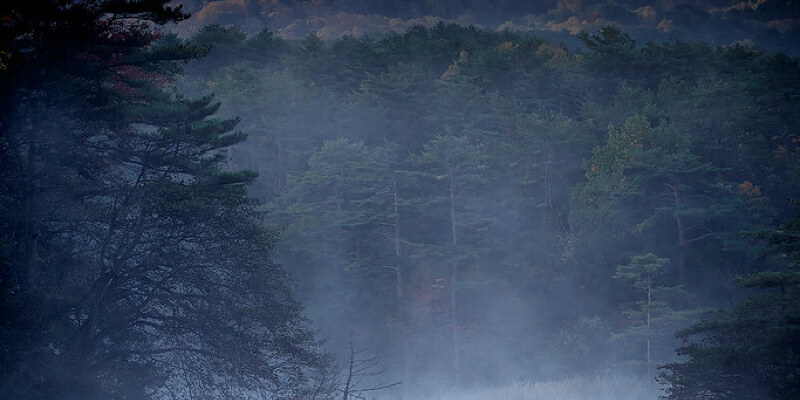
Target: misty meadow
442, 212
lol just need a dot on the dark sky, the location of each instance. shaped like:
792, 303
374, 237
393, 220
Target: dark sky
771, 24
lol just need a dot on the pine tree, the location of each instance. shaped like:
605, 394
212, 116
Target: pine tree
643, 177
747, 352
657, 315
134, 265
751, 350
344, 234
456, 170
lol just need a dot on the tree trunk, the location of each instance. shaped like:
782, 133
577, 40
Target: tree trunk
30, 223
397, 247
453, 285
401, 302
453, 209
682, 274
649, 299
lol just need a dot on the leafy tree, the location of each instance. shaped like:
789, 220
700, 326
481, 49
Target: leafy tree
394, 105
135, 265
747, 352
457, 166
692, 144
344, 235
280, 140
751, 350
612, 55
345, 200
642, 272
642, 176
653, 318
224, 43
357, 57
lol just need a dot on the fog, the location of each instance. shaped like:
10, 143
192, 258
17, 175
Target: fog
435, 204
564, 200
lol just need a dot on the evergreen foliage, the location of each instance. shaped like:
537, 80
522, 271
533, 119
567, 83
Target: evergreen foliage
751, 350
563, 165
480, 206
135, 265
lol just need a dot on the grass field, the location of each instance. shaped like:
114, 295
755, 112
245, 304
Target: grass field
580, 388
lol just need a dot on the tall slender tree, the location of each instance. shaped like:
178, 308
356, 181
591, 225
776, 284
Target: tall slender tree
457, 165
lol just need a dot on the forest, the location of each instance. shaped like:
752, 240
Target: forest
447, 212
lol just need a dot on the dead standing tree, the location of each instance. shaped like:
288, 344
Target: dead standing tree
360, 370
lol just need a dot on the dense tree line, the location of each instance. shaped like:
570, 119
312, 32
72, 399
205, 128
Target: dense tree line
473, 206
484, 206
134, 263
771, 24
